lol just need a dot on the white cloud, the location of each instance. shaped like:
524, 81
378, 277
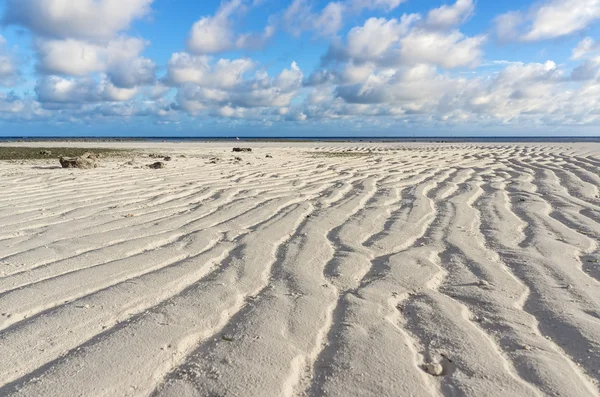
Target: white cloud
521, 91
299, 16
55, 89
353, 74
449, 50
289, 79
58, 89
588, 70
296, 116
131, 73
84, 41
254, 41
158, 91
449, 16
386, 70
548, 20
416, 87
9, 65
562, 17
520, 77
214, 87
330, 21
320, 95
227, 73
88, 19
508, 25
119, 58
377, 36
71, 57
214, 34
184, 68
393, 43
536, 93
228, 111
109, 92
193, 99
8, 70
14, 108
585, 47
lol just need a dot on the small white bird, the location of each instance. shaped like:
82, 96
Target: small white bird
237, 138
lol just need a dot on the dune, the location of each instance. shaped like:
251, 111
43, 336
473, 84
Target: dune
303, 269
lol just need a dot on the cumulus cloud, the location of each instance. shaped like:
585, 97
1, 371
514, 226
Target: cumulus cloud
449, 50
55, 89
417, 85
448, 16
72, 57
548, 20
206, 86
89, 19
10, 105
330, 20
131, 73
588, 70
586, 47
14, 108
214, 34
384, 71
562, 17
377, 36
538, 93
393, 43
184, 68
300, 17
353, 73
119, 58
507, 25
82, 55
9, 65
521, 91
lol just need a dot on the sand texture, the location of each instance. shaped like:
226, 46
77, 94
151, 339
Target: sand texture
326, 269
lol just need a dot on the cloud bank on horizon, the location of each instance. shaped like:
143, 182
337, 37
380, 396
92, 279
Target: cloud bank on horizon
303, 65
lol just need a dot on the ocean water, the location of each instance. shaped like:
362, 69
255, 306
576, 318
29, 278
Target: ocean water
506, 139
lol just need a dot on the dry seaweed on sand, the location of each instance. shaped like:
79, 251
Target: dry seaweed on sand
37, 153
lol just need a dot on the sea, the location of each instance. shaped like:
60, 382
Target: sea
474, 139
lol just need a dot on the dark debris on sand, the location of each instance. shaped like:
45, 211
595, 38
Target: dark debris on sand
85, 161
157, 166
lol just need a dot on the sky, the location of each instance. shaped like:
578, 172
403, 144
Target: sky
299, 68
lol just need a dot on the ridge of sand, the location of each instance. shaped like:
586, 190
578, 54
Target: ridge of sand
330, 269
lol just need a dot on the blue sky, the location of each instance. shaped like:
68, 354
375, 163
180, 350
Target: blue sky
299, 67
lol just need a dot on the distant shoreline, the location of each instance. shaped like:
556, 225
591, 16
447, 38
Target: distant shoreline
467, 139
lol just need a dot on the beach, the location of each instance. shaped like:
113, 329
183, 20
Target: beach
303, 269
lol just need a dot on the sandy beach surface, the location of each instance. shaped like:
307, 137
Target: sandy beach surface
324, 269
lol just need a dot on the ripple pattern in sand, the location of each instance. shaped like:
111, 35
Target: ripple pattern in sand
326, 270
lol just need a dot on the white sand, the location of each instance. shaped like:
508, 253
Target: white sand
304, 274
